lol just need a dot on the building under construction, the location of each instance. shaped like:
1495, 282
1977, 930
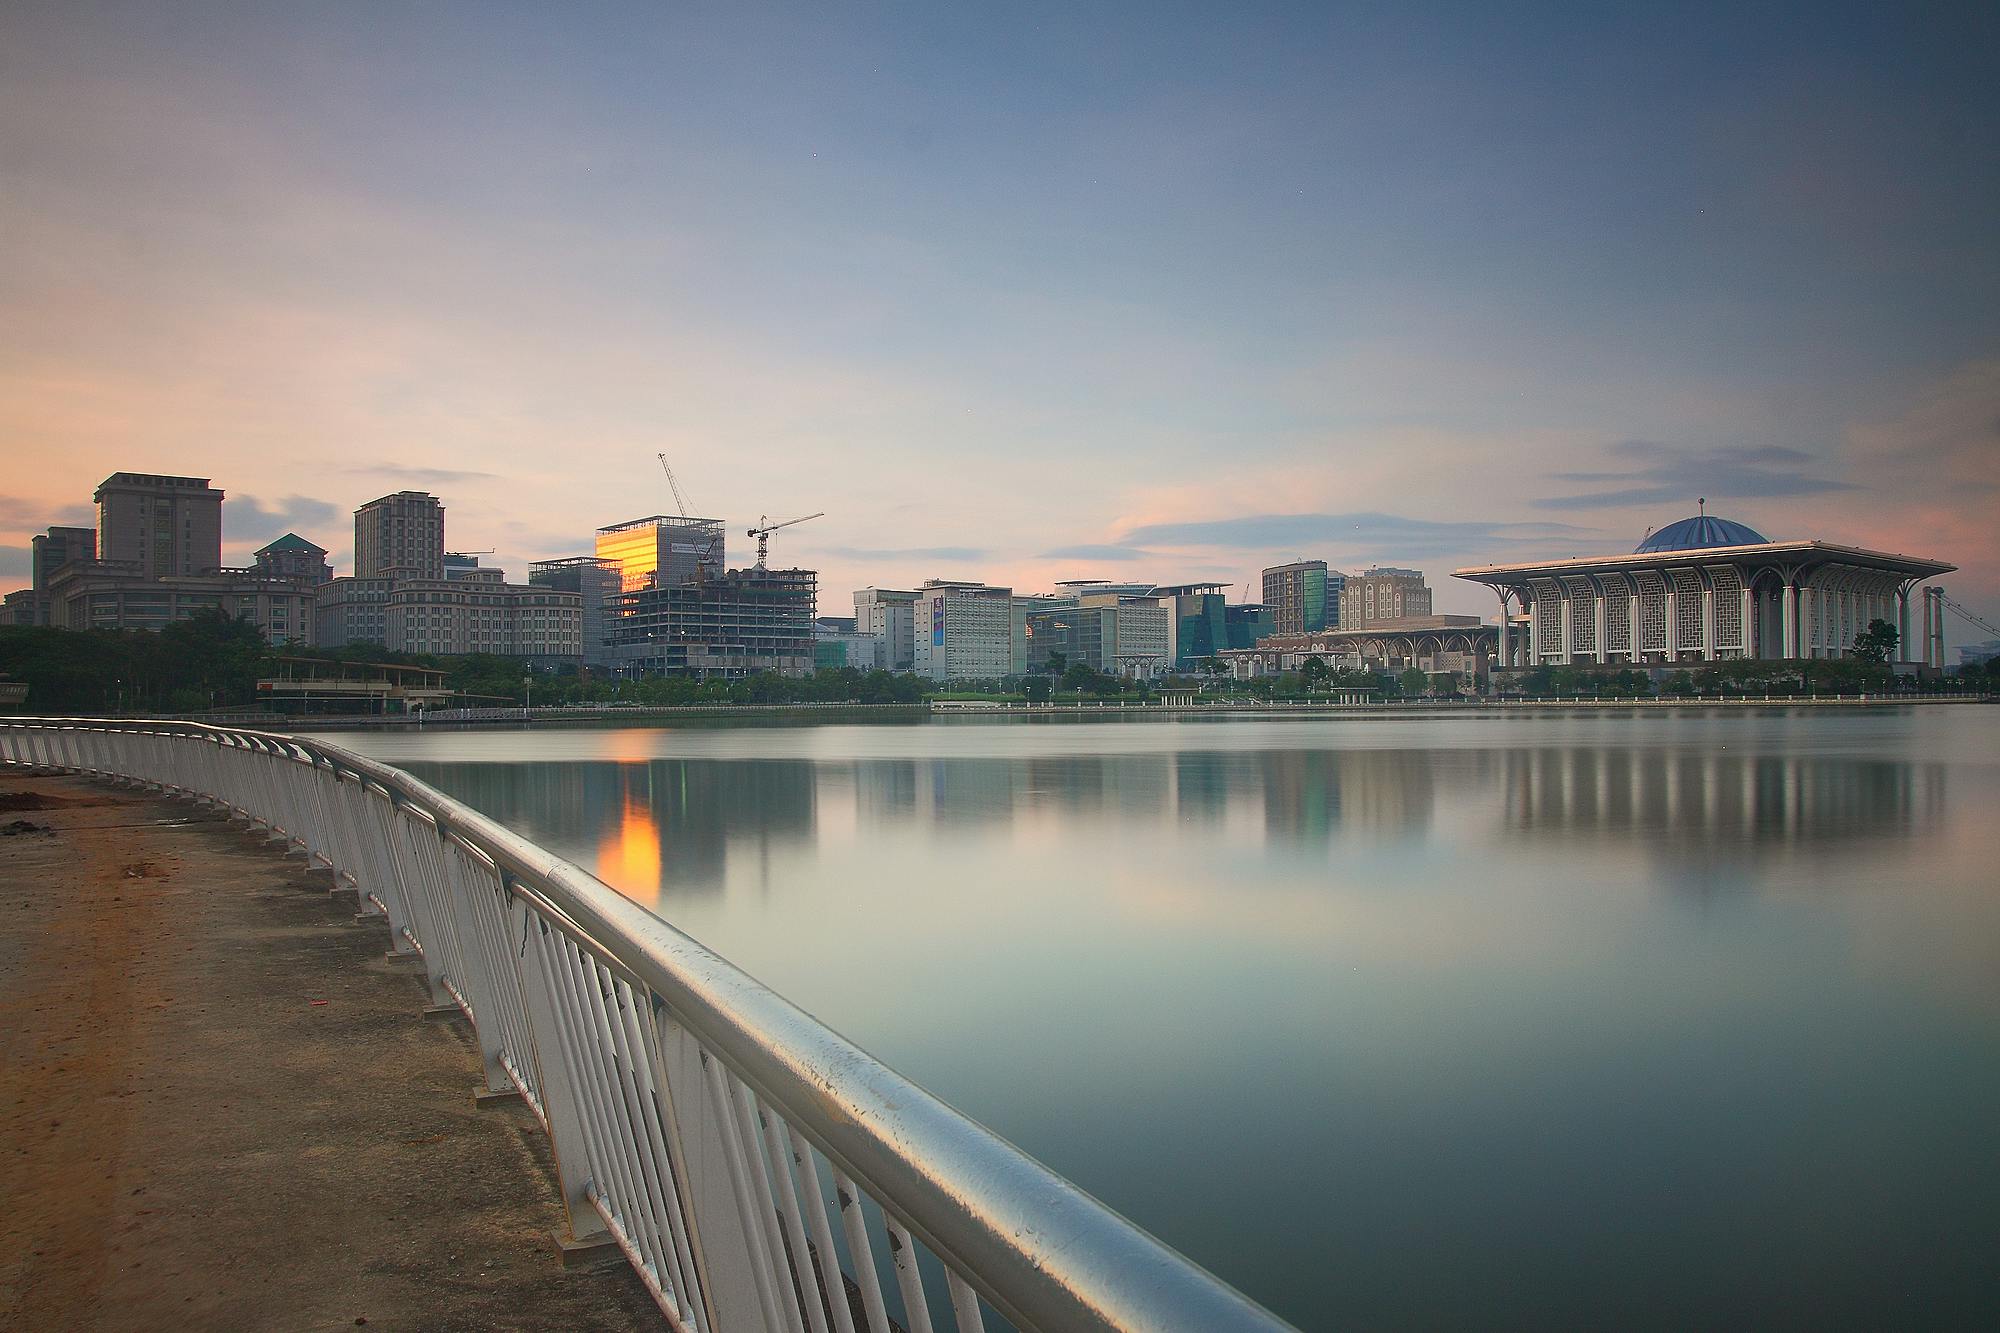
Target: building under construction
728, 624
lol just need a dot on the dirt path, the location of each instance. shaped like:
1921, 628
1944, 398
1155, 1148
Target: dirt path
220, 1106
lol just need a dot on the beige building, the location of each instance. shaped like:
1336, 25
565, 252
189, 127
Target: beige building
400, 536
1378, 596
99, 594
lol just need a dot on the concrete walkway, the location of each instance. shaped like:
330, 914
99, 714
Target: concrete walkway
220, 1106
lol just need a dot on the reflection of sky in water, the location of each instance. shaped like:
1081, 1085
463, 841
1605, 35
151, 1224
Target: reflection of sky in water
1659, 1019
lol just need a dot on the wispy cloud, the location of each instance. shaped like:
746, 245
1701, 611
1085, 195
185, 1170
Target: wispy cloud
245, 516
436, 476
1096, 551
16, 562
17, 515
1676, 474
908, 552
1390, 536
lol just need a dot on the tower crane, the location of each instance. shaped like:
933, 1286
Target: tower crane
765, 527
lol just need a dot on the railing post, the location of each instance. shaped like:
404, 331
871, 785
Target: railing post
721, 1228
558, 1085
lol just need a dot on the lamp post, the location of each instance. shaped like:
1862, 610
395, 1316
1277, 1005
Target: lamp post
529, 682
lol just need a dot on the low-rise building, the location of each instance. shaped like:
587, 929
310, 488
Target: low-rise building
1116, 633
102, 594
1434, 644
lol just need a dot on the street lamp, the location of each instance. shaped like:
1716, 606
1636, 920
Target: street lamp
529, 682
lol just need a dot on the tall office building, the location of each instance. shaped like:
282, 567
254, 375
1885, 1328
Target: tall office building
1302, 597
965, 631
658, 551
400, 536
161, 526
1383, 594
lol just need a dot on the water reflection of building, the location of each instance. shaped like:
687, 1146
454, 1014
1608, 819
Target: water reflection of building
654, 829
1310, 795
1704, 804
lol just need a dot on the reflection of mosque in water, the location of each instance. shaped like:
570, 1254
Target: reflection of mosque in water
1704, 805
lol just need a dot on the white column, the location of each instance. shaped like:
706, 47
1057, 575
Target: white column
1500, 656
1707, 624
1597, 609
1673, 609
1534, 610
1747, 628
1566, 605
1903, 624
1634, 654
1788, 619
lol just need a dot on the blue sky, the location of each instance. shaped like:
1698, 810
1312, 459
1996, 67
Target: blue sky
1029, 292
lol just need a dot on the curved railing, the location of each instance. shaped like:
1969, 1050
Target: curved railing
759, 1171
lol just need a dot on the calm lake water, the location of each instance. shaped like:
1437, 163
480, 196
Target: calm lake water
1666, 1019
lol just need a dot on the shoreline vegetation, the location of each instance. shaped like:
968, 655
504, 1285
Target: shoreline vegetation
207, 668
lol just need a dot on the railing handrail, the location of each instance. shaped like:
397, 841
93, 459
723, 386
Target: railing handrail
1041, 1250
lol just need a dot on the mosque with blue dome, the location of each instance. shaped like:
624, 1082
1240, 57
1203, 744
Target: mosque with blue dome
1708, 589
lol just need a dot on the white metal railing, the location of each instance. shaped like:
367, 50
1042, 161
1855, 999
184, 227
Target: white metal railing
755, 1167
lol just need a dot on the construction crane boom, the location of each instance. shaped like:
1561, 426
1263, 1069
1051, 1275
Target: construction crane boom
765, 527
675, 483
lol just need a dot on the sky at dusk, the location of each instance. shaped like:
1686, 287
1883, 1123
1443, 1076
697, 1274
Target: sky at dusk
1015, 292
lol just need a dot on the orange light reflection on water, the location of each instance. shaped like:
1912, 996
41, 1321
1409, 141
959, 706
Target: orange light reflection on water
629, 858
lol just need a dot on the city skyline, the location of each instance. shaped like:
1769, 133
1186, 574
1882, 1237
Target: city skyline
1021, 302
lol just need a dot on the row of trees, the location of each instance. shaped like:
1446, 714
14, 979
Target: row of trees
212, 661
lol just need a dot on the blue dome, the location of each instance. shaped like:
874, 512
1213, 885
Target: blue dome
1694, 534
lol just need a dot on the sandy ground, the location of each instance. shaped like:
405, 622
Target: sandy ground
220, 1106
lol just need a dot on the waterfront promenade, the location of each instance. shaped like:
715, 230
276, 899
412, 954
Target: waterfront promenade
222, 1107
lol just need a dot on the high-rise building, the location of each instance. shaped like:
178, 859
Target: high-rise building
400, 536
1383, 594
293, 557
663, 552
1302, 596
890, 615
57, 547
964, 631
159, 526
593, 580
